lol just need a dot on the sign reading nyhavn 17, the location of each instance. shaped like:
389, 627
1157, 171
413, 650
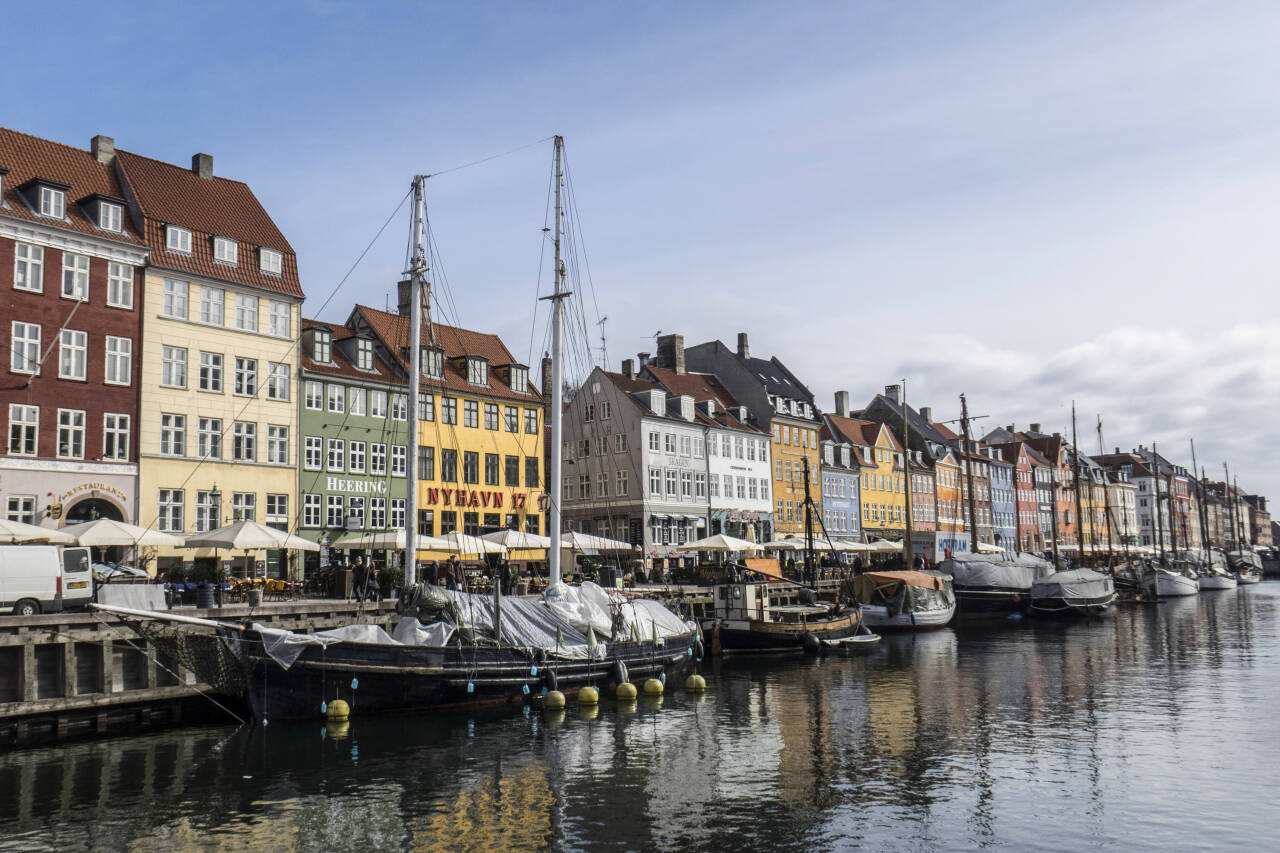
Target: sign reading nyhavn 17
462, 497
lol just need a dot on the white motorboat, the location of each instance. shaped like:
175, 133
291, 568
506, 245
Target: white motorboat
1168, 583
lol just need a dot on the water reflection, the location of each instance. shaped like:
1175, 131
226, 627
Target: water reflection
1036, 735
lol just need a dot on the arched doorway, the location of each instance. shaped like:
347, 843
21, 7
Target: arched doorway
91, 509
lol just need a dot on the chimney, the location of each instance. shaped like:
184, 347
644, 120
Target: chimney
744, 351
202, 165
891, 391
629, 368
926, 412
1057, 435
642, 359
103, 148
842, 403
1009, 427
671, 353
1035, 427
546, 376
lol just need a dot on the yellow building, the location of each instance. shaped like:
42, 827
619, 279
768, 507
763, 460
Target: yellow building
883, 486
217, 407
480, 442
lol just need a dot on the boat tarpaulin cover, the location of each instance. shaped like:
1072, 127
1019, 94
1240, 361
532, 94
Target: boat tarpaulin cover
988, 573
526, 624
903, 592
283, 646
605, 611
1076, 583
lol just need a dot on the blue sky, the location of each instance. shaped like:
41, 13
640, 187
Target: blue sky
1026, 202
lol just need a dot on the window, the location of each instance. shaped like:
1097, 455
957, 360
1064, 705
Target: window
512, 416
584, 486
397, 513
119, 285
333, 511
278, 381
277, 509
312, 452
531, 524
72, 350
431, 361
21, 508
399, 460
519, 380
269, 261
686, 445
53, 202
669, 443
313, 394
602, 485
28, 267
115, 437
620, 442
531, 472
512, 470
491, 469
177, 239
246, 312
244, 444
278, 444
110, 216
653, 441
175, 299
491, 416
356, 456
700, 485
209, 438
173, 435
377, 513
244, 506
714, 485
672, 484
226, 251
531, 421
471, 414
207, 512
621, 484
173, 367
448, 465
70, 433
426, 462
210, 372
588, 413
427, 407
25, 354
212, 300
322, 347
24, 429
377, 404
605, 410
356, 401
470, 466
170, 518
364, 354
337, 455
655, 482
477, 371
279, 319
448, 410
246, 379
377, 458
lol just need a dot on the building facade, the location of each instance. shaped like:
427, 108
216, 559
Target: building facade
841, 488
72, 257
1004, 509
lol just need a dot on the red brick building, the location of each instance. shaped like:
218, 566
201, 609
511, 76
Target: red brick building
71, 264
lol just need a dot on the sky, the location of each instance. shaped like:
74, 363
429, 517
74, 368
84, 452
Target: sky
1028, 203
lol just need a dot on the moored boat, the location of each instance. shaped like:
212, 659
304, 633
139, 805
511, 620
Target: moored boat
1211, 579
993, 585
1246, 566
1170, 583
749, 619
1074, 592
904, 600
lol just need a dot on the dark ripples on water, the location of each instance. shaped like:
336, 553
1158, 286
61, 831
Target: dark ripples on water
1150, 730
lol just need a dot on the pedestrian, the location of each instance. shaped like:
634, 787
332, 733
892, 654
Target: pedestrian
433, 573
917, 563
373, 590
857, 565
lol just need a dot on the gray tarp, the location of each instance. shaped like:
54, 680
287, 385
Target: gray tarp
283, 646
1076, 583
1019, 572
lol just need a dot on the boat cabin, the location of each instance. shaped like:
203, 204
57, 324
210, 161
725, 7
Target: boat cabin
755, 602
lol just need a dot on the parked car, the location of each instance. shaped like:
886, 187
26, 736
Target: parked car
38, 579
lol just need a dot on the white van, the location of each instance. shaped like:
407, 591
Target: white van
44, 579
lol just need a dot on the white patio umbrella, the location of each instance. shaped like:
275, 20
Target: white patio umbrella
719, 542
783, 545
105, 532
884, 546
988, 548
460, 543
17, 531
388, 540
518, 539
586, 542
249, 536
852, 546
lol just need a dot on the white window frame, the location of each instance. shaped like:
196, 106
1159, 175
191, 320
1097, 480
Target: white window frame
322, 347
311, 510
357, 453
110, 216
177, 239
173, 367
244, 441
377, 404
279, 318
313, 453
399, 460
335, 458
279, 380
336, 398
212, 372
364, 354
209, 438
119, 285
71, 423
24, 354
277, 444
377, 458
356, 400
313, 395
28, 267
53, 202
244, 506
21, 508
270, 261
75, 276
24, 425
174, 303
246, 312
277, 508
213, 303
170, 515
246, 375
73, 354
226, 251
173, 434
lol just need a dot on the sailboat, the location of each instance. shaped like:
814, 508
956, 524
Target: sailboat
449, 648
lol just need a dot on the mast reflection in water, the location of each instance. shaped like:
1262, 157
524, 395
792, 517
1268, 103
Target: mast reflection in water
1148, 730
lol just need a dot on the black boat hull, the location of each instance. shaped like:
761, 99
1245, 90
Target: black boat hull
772, 637
978, 602
1072, 608
376, 678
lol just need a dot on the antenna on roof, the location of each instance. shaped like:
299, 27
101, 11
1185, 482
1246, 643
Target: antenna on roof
604, 352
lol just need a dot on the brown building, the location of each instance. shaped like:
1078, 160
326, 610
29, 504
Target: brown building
71, 295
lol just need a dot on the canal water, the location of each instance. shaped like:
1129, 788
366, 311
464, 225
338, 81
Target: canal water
1153, 729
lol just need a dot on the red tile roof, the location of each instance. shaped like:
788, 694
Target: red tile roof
169, 194
28, 157
342, 366
702, 387
946, 432
857, 431
393, 330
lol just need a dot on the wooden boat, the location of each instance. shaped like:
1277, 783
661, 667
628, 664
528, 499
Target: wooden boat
904, 600
1171, 583
749, 619
1075, 592
1216, 580
1246, 566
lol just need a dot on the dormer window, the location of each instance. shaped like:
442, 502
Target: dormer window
477, 370
322, 346
110, 216
364, 354
53, 202
225, 251
177, 239
431, 362
520, 379
269, 261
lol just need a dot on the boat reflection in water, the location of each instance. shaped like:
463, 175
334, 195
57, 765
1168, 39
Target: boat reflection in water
956, 738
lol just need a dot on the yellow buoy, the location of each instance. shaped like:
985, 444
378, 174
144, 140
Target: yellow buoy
554, 700
588, 696
652, 687
588, 712
695, 683
338, 709
626, 690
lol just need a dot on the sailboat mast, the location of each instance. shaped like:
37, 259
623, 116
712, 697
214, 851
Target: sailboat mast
554, 487
1155, 471
907, 545
968, 474
1202, 517
1075, 451
417, 278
